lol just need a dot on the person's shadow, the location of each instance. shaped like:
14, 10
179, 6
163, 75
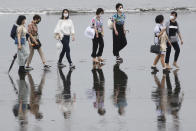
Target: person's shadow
65, 99
120, 86
98, 87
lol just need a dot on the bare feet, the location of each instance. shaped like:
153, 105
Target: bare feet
168, 66
175, 65
95, 60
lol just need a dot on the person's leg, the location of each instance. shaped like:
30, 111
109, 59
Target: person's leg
22, 56
94, 49
42, 55
101, 46
153, 67
163, 60
177, 52
123, 41
156, 60
63, 50
67, 49
115, 45
168, 52
30, 56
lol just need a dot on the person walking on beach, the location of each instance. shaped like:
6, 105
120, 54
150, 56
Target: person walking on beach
64, 29
173, 32
160, 37
21, 43
119, 33
97, 24
34, 42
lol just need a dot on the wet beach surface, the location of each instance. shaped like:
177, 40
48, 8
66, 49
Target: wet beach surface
114, 97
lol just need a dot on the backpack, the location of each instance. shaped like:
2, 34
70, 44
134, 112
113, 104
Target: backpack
110, 23
13, 32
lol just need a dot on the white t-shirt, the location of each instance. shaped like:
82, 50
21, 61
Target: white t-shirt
157, 30
64, 27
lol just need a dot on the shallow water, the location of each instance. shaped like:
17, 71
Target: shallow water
108, 4
129, 96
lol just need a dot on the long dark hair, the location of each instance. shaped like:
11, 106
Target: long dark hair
20, 19
62, 15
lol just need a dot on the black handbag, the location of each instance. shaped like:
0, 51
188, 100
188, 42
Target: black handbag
36, 46
155, 48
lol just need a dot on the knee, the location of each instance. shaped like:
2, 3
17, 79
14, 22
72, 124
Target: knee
67, 50
169, 49
178, 50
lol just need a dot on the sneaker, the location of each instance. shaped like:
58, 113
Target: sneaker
61, 65
119, 59
47, 66
28, 68
22, 70
166, 71
154, 68
72, 66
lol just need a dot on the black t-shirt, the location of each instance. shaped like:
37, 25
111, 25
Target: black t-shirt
173, 28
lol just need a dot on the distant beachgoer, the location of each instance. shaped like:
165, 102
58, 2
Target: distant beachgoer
119, 33
160, 37
21, 43
34, 42
64, 29
173, 32
97, 24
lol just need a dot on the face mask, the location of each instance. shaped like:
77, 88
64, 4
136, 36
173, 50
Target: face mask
100, 15
121, 10
65, 15
172, 17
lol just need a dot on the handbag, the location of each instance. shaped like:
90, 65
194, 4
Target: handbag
155, 48
89, 32
110, 23
36, 46
22, 40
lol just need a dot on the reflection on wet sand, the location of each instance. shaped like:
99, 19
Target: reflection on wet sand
120, 86
168, 100
64, 98
98, 87
20, 109
35, 96
25, 103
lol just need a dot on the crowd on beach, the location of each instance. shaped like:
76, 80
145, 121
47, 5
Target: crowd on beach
166, 36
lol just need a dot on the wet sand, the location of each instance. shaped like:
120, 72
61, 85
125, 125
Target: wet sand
130, 96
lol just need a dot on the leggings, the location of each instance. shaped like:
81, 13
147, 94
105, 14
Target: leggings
66, 49
177, 52
97, 42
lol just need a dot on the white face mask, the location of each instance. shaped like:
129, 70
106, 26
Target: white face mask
171, 17
121, 10
65, 15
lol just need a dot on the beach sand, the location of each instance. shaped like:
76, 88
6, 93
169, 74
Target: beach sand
140, 112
